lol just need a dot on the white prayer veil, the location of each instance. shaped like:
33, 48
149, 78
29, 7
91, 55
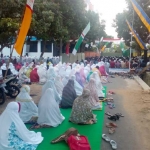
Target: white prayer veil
78, 88
98, 84
49, 112
51, 74
28, 107
41, 71
9, 116
65, 80
59, 85
51, 84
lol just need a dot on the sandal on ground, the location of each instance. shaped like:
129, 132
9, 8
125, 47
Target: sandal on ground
111, 130
111, 106
119, 114
108, 113
110, 125
113, 144
113, 118
105, 137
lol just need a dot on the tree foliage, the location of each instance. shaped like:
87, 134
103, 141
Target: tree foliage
52, 20
121, 25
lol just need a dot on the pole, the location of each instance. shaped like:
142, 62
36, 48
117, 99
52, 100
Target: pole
131, 43
52, 49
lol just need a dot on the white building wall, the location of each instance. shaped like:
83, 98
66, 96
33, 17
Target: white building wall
6, 51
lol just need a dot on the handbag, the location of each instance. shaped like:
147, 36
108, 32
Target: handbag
78, 142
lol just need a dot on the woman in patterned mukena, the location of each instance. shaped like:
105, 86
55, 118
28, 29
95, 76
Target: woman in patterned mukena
13, 133
81, 110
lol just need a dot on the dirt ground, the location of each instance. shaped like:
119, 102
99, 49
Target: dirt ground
134, 102
133, 129
137, 104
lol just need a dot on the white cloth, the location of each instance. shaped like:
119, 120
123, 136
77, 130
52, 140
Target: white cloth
9, 116
28, 107
49, 112
13, 70
68, 70
78, 88
99, 85
59, 85
50, 84
62, 71
22, 75
41, 71
51, 74
65, 80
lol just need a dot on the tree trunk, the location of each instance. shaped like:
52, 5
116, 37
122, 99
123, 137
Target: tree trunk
60, 47
42, 53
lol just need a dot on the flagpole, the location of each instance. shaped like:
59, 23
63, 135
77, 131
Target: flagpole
131, 43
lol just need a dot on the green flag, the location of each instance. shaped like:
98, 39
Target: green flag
85, 31
122, 46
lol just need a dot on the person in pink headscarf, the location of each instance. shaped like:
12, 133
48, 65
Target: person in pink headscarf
102, 70
82, 74
94, 100
34, 76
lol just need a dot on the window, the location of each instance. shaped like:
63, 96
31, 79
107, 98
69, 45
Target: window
48, 47
32, 46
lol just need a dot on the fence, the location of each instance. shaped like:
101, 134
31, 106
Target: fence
72, 58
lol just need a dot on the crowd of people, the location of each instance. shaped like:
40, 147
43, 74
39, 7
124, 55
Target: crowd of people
78, 86
64, 85
121, 62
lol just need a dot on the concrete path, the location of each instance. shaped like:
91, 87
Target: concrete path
126, 133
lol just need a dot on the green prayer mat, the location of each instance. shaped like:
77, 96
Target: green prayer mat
92, 132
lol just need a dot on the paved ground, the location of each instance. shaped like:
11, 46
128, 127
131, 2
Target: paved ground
126, 134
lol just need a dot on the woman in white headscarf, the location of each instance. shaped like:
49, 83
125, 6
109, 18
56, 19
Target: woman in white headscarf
51, 74
13, 133
59, 85
12, 68
94, 100
49, 112
68, 70
42, 73
65, 80
51, 84
99, 86
78, 88
29, 111
62, 71
22, 75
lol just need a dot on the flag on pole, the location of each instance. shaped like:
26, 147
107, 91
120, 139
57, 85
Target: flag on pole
136, 36
85, 31
141, 13
103, 48
122, 45
24, 27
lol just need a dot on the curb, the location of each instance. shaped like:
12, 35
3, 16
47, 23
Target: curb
145, 87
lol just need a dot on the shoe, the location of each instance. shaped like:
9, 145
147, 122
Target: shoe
111, 130
105, 137
113, 144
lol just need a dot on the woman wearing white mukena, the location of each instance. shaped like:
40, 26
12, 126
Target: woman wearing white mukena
29, 110
13, 133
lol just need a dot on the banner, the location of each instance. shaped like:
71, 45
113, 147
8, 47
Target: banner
24, 27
